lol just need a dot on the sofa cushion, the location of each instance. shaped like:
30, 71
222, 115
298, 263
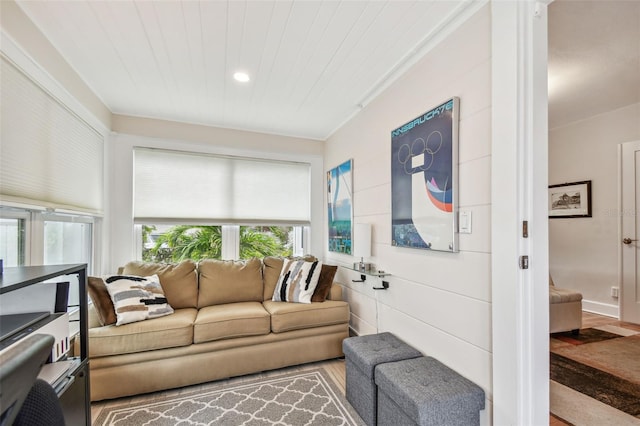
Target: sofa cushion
228, 281
272, 266
137, 298
295, 316
179, 281
231, 320
159, 333
101, 299
297, 281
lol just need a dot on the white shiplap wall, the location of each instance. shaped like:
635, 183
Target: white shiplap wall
438, 302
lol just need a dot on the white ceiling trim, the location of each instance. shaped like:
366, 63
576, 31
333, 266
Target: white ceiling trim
31, 68
448, 25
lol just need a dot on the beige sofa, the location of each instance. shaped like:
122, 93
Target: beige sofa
224, 324
565, 309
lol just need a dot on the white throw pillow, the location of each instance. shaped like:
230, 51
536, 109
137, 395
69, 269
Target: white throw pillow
298, 279
137, 298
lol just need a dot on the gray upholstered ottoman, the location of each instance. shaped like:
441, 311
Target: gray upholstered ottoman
423, 391
362, 354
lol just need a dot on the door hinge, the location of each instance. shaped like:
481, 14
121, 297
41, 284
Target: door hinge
525, 229
524, 262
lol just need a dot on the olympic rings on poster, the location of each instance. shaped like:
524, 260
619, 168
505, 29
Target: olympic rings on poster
406, 152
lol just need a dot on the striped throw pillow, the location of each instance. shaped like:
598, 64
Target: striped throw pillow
298, 279
137, 298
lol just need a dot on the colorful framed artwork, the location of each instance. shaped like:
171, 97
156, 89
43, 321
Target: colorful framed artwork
424, 180
340, 207
570, 200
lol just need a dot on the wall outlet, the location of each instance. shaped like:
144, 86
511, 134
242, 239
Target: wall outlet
614, 292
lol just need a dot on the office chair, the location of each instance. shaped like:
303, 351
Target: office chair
19, 368
41, 407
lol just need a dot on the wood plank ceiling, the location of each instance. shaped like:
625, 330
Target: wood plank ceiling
312, 63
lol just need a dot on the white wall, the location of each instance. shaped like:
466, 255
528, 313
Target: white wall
438, 302
583, 252
130, 132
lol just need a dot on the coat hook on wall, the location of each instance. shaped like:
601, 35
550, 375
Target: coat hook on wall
385, 285
362, 279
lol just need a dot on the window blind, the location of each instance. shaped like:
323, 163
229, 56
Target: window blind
49, 156
173, 186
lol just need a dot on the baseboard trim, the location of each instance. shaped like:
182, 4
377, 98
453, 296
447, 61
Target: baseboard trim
600, 308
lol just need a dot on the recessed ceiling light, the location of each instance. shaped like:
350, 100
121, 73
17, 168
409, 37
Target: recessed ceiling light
242, 77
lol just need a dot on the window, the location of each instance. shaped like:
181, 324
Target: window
33, 237
12, 241
260, 241
218, 207
52, 162
67, 239
165, 243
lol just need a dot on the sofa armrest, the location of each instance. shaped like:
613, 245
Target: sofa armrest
92, 316
335, 293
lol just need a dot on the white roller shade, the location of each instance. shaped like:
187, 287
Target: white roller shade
48, 155
172, 186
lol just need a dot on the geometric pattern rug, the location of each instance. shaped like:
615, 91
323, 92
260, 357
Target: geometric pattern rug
307, 397
602, 365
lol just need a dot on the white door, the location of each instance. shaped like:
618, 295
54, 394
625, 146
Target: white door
630, 218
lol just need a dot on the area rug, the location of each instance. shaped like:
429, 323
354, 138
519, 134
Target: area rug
587, 335
308, 397
604, 366
620, 357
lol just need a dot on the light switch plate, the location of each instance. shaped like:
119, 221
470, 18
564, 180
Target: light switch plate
464, 222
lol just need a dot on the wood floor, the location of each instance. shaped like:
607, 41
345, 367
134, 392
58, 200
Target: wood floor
337, 370
593, 320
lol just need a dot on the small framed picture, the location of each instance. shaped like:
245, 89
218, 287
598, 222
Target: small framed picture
570, 200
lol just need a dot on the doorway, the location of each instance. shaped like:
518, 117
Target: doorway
630, 224
588, 120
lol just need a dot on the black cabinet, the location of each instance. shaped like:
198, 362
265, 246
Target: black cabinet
75, 398
72, 386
